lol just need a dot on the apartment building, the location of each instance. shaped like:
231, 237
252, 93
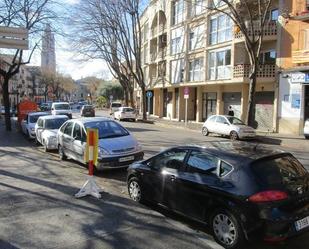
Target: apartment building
19, 85
187, 47
294, 63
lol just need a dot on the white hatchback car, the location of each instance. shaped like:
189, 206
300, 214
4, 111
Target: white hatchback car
28, 123
127, 113
46, 130
228, 126
61, 108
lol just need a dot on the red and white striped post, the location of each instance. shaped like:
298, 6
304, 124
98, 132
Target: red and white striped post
90, 187
91, 151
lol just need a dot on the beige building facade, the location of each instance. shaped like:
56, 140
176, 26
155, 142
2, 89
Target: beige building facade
187, 47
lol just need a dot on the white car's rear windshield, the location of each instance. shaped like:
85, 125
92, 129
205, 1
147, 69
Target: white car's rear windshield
62, 107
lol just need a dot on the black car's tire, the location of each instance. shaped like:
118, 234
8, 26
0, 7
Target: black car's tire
205, 131
234, 135
307, 137
227, 230
135, 190
61, 153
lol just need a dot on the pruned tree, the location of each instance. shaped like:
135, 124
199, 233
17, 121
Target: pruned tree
110, 30
46, 82
29, 14
92, 84
250, 18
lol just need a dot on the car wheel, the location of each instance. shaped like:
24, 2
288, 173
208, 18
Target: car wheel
36, 141
234, 135
307, 137
205, 131
61, 153
227, 230
134, 189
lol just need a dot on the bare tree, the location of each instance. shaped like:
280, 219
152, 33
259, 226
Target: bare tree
111, 30
250, 18
29, 14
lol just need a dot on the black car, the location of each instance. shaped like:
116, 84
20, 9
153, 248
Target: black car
241, 192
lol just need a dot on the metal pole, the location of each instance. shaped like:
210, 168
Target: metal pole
148, 106
186, 114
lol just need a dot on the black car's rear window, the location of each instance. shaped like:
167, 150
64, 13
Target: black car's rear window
279, 171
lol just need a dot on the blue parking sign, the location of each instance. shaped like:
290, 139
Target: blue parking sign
149, 94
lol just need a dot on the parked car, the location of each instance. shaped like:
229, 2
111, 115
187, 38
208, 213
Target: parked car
13, 112
306, 129
87, 111
117, 147
28, 123
114, 107
228, 126
45, 107
125, 113
61, 108
239, 191
46, 129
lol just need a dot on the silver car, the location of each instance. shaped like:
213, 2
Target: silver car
117, 147
46, 129
228, 126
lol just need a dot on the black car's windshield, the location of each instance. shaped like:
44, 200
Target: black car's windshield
107, 129
34, 118
54, 123
278, 172
62, 107
235, 121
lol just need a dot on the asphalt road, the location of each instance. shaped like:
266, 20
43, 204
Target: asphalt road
38, 210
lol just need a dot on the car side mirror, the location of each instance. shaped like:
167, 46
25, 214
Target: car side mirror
226, 123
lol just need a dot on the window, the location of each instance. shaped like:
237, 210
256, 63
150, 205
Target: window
177, 41
107, 129
196, 37
225, 169
77, 132
40, 123
220, 29
170, 159
202, 162
177, 11
221, 120
196, 70
198, 7
177, 71
68, 129
216, 3
268, 57
54, 123
274, 15
219, 66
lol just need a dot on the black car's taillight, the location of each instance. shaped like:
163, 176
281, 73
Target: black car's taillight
268, 196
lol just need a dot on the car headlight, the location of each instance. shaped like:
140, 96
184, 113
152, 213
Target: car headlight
138, 147
32, 129
102, 152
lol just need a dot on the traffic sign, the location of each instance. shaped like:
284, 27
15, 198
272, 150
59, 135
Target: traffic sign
186, 92
149, 94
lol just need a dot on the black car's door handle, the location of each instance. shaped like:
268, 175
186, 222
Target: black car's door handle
173, 177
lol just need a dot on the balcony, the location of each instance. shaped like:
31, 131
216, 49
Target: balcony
265, 71
153, 57
162, 54
270, 31
300, 56
154, 31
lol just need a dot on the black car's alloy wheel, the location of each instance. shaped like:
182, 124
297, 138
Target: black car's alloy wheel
205, 131
62, 156
135, 190
226, 230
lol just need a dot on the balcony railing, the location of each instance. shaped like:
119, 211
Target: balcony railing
300, 56
154, 31
162, 53
270, 29
265, 71
162, 28
153, 57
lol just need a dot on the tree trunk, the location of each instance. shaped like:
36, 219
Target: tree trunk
251, 101
143, 95
131, 93
6, 102
126, 96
